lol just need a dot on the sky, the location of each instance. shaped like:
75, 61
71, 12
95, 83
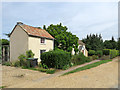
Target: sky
81, 18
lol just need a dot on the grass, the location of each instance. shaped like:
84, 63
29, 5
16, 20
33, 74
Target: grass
87, 66
2, 87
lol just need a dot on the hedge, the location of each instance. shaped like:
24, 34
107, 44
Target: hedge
56, 58
79, 59
113, 53
91, 52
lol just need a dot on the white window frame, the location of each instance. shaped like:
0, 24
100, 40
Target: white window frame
44, 41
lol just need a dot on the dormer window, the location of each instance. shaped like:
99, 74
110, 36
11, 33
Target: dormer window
42, 40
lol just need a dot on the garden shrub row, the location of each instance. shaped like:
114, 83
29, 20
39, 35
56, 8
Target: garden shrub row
56, 59
79, 59
113, 53
93, 52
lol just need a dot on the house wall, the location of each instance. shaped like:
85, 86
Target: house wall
18, 43
35, 45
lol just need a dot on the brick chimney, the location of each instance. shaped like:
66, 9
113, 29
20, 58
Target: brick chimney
19, 23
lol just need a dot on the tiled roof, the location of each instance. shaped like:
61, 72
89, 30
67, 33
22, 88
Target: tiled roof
80, 42
36, 31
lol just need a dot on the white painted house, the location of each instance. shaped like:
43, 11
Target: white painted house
24, 37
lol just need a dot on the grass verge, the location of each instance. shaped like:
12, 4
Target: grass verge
2, 87
87, 66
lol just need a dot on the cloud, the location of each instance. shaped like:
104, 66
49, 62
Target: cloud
80, 18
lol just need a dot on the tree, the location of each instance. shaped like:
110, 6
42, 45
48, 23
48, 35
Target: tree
63, 39
4, 41
44, 27
93, 42
110, 44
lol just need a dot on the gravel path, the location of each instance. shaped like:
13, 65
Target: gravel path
104, 75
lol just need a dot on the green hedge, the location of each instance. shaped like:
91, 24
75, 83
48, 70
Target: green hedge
91, 52
79, 59
56, 58
113, 53
99, 53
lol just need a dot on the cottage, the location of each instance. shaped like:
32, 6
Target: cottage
81, 48
24, 37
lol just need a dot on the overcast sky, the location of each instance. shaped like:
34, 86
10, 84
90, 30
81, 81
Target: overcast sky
81, 18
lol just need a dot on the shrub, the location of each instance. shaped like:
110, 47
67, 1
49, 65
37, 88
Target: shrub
106, 51
22, 59
29, 54
40, 65
6, 63
56, 58
94, 57
50, 71
105, 57
17, 64
91, 52
79, 59
99, 53
114, 53
45, 66
65, 67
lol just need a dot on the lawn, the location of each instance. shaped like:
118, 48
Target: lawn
87, 66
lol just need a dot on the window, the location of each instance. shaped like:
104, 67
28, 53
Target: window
42, 40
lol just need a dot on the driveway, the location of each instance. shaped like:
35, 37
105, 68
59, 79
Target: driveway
103, 76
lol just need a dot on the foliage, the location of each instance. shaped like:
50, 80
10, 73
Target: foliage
29, 54
93, 42
79, 59
110, 44
56, 58
65, 67
43, 70
0, 53
63, 39
50, 71
113, 53
4, 41
17, 64
91, 52
45, 66
88, 66
6, 63
22, 59
93, 57
106, 51
99, 53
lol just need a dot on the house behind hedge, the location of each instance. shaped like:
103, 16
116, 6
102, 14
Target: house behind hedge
24, 37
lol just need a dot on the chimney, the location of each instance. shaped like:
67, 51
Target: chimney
19, 23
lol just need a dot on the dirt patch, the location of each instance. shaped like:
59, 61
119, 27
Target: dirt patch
103, 76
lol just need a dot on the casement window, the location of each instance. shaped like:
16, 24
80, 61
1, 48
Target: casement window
42, 40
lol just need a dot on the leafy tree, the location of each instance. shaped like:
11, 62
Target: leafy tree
110, 44
93, 42
44, 27
63, 39
4, 41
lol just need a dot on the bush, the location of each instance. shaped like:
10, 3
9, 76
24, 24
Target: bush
94, 57
17, 64
105, 57
29, 54
113, 53
6, 63
65, 67
50, 71
79, 59
106, 51
56, 58
99, 53
91, 52
22, 59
